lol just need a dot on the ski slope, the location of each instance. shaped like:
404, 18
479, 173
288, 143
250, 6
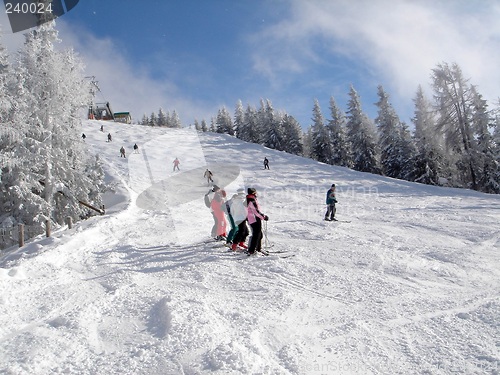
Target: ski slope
409, 283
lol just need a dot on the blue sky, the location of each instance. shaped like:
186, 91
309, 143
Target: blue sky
196, 56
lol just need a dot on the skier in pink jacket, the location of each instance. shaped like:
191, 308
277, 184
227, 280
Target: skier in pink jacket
255, 218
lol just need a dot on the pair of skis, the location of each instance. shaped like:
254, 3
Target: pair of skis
277, 253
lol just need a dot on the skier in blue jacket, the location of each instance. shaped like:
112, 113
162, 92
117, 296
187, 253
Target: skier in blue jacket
330, 202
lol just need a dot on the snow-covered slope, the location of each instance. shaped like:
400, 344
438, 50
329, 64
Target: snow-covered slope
408, 284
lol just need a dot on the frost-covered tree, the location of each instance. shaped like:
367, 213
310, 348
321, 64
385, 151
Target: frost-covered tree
153, 120
5, 79
341, 153
265, 118
197, 125
212, 127
173, 120
204, 127
307, 143
275, 134
271, 127
496, 141
52, 171
429, 160
239, 118
362, 136
484, 152
145, 120
161, 119
321, 148
249, 128
224, 123
408, 152
292, 131
395, 143
387, 122
454, 103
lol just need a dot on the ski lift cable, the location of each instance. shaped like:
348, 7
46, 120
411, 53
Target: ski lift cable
95, 85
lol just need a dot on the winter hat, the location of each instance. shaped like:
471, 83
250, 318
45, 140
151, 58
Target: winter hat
333, 185
251, 191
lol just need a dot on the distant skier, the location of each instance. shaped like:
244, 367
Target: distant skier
255, 218
266, 163
102, 128
208, 175
176, 164
330, 202
84, 136
136, 148
122, 152
109, 137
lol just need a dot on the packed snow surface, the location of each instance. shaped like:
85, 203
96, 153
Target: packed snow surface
407, 283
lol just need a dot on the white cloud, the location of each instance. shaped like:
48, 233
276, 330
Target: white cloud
127, 87
398, 41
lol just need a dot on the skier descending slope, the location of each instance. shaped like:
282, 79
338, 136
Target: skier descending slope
255, 218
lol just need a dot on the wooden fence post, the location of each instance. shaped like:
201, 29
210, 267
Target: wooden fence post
21, 235
69, 221
47, 228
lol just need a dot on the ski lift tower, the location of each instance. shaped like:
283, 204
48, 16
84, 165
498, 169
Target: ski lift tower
93, 90
98, 111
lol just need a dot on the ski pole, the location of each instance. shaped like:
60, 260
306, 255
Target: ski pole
267, 244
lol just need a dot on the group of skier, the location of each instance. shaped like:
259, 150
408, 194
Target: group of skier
242, 209
239, 210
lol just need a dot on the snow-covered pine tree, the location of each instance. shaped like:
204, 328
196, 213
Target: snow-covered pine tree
292, 135
496, 140
239, 117
174, 121
265, 120
52, 171
484, 153
408, 152
397, 151
5, 78
429, 159
362, 136
276, 133
153, 120
197, 125
321, 148
204, 127
8, 136
341, 150
212, 127
272, 131
454, 101
307, 142
161, 119
249, 127
387, 123
224, 123
145, 120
